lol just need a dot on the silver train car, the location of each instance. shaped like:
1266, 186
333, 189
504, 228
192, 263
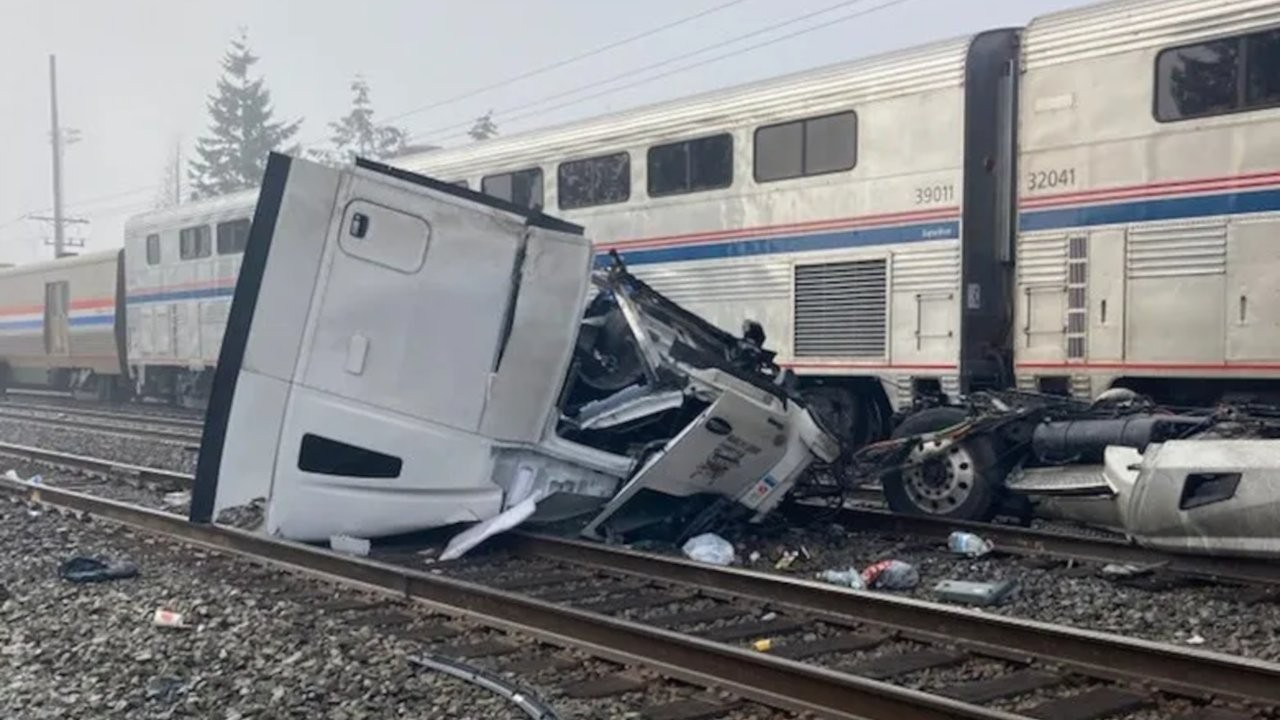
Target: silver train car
1083, 203
62, 323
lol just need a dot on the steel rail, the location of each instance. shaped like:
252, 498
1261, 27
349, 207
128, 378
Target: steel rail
176, 422
1190, 672
766, 679
98, 466
1038, 543
143, 433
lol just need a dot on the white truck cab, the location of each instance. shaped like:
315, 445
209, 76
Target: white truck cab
403, 354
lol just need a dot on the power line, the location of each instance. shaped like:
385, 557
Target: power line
676, 58
555, 65
87, 202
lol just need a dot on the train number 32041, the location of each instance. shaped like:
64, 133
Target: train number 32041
1048, 179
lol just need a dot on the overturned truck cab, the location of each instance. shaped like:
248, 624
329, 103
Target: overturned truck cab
404, 354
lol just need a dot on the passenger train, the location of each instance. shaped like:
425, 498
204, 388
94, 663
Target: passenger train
1090, 201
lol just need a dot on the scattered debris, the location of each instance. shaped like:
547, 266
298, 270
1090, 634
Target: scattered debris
968, 544
709, 548
81, 569
180, 498
1195, 639
478, 533
754, 557
246, 517
169, 619
1117, 570
13, 475
850, 577
350, 545
769, 616
764, 645
974, 593
891, 575
787, 559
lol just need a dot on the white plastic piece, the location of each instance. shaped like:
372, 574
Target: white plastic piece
478, 533
709, 548
850, 578
179, 498
350, 545
968, 544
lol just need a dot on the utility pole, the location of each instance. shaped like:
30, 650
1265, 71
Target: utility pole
59, 239
177, 172
58, 139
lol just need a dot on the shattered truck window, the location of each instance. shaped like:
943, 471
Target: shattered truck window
594, 181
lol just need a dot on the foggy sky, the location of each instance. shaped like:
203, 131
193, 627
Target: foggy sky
134, 74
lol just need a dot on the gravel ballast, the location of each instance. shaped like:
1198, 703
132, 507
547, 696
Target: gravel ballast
89, 651
1224, 618
178, 457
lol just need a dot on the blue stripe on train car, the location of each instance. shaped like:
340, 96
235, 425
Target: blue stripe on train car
1178, 208
826, 240
168, 296
73, 322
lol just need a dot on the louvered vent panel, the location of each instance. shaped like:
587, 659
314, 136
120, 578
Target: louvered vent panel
926, 270
1177, 251
1042, 260
840, 309
720, 282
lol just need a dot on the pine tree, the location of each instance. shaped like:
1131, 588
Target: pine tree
483, 128
357, 135
242, 132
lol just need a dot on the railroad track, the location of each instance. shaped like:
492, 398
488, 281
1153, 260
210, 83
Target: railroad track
67, 401
839, 653
165, 420
1012, 540
141, 427
1047, 544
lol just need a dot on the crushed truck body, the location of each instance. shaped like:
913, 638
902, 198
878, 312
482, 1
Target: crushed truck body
404, 354
1189, 481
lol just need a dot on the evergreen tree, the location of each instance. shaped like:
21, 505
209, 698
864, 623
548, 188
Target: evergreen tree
483, 128
242, 132
357, 135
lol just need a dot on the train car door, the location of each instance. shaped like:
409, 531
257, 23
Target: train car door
1253, 290
57, 331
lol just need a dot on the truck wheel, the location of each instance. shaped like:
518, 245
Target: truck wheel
959, 484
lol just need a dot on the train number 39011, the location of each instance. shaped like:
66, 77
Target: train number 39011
1048, 179
935, 194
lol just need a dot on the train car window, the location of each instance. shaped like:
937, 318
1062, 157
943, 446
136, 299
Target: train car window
233, 236
1218, 77
780, 152
830, 144
813, 146
1198, 80
594, 181
523, 187
1262, 66
195, 242
691, 166
153, 249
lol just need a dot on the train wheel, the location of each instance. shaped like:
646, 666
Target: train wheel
961, 483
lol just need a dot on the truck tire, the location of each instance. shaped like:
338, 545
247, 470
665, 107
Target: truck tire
962, 484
